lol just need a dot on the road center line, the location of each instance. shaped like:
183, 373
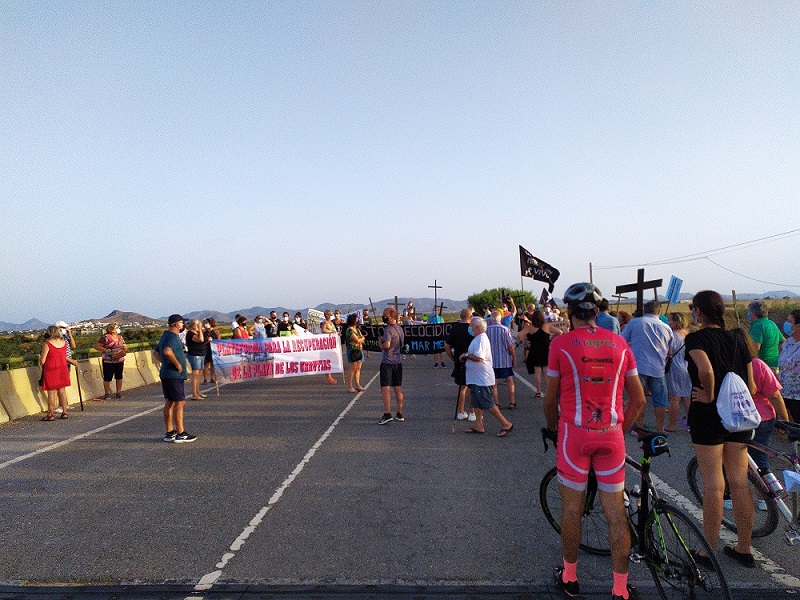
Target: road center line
209, 579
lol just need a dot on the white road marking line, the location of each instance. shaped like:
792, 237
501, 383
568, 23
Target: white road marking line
775, 571
209, 579
81, 436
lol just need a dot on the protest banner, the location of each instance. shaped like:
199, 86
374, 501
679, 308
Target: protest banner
422, 338
275, 358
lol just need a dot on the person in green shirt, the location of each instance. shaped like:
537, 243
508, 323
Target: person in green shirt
766, 335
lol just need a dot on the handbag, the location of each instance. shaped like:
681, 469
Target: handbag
355, 354
668, 364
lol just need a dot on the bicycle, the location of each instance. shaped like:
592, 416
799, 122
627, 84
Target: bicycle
769, 495
664, 538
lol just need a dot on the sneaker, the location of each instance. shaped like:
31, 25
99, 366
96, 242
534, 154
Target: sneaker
727, 504
462, 415
435, 365
170, 436
442, 366
386, 418
471, 418
632, 594
184, 437
570, 588
118, 396
399, 417
58, 410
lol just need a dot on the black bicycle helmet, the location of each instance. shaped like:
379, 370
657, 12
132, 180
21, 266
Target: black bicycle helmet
582, 295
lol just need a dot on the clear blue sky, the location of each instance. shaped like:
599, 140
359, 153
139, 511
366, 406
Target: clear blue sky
174, 156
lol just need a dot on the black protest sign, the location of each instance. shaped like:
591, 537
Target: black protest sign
423, 338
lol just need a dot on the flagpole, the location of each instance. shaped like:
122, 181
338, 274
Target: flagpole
590, 273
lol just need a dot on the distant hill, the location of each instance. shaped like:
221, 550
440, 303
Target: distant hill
129, 319
29, 325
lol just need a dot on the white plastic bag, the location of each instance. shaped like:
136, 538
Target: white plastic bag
735, 405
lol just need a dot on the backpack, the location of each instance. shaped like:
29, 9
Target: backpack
735, 405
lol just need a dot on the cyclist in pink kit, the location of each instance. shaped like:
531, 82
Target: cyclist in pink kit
587, 370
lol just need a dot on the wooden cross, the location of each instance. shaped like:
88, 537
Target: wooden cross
639, 287
619, 298
396, 306
435, 295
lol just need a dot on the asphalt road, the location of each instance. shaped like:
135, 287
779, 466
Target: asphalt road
293, 490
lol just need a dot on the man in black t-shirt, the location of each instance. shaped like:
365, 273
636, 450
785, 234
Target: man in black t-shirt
457, 344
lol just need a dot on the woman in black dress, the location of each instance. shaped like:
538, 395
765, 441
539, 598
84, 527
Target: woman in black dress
536, 335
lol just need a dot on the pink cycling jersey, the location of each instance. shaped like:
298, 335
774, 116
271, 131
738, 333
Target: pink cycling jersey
592, 363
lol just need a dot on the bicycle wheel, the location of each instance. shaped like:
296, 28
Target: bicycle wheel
594, 528
672, 544
766, 516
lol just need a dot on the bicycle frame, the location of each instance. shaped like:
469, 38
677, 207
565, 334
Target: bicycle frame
792, 533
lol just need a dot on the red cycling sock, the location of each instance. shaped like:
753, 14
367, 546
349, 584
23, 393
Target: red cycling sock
570, 572
620, 585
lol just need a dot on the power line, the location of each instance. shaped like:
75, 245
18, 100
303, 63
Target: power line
752, 278
704, 255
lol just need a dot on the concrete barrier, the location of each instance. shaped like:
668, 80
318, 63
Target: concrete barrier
20, 395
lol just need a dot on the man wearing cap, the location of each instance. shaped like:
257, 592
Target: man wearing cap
67, 335
583, 406
173, 373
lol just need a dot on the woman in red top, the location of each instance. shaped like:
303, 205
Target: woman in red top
240, 332
55, 374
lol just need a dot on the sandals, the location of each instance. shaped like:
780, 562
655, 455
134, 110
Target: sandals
64, 416
512, 406
49, 418
504, 432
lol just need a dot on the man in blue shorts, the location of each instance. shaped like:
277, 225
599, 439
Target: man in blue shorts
504, 357
173, 373
649, 338
480, 379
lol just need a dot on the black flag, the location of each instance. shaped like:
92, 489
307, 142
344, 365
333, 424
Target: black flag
530, 266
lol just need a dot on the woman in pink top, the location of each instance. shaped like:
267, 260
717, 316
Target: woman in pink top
769, 402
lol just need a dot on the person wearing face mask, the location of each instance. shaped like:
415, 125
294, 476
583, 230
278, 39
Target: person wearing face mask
338, 322
65, 332
260, 328
211, 333
173, 373
285, 327
272, 324
789, 365
300, 322
196, 349
113, 349
327, 327
764, 333
240, 332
